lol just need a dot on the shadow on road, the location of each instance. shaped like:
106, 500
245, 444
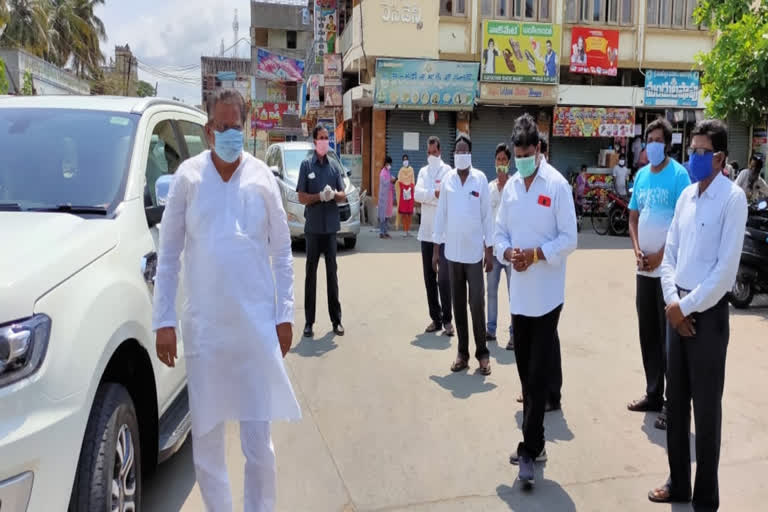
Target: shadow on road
659, 437
546, 496
463, 385
501, 354
555, 425
316, 347
432, 342
171, 485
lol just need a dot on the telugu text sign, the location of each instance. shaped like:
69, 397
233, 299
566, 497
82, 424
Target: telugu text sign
672, 88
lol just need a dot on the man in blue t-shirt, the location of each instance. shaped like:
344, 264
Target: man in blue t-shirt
657, 187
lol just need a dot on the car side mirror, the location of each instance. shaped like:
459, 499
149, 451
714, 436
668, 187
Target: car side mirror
275, 171
154, 213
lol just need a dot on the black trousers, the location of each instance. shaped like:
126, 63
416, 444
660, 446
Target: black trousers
439, 305
316, 245
696, 371
535, 345
470, 275
555, 374
652, 322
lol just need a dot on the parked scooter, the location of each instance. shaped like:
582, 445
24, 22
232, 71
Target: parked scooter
752, 278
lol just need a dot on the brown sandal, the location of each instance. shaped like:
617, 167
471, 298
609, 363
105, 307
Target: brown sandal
485, 367
459, 365
664, 495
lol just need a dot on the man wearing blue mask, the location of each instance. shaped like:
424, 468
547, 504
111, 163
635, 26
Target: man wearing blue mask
537, 249
656, 189
701, 260
225, 213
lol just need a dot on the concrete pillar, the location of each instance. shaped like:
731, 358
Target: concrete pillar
379, 143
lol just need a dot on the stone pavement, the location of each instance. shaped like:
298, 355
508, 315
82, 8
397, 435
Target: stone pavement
388, 427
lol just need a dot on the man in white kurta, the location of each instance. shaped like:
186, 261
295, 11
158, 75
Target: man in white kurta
225, 212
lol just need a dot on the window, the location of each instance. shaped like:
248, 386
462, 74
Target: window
453, 8
290, 39
164, 158
538, 10
194, 136
610, 12
672, 14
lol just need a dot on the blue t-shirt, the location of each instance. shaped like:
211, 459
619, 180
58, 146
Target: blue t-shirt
654, 196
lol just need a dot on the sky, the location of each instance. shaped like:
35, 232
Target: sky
172, 34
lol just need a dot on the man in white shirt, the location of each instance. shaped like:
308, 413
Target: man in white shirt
537, 249
750, 181
620, 174
224, 211
463, 223
701, 260
427, 193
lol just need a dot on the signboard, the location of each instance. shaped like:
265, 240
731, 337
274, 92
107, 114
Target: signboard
332, 67
516, 51
269, 115
333, 95
672, 88
315, 82
593, 122
594, 51
277, 67
419, 84
326, 25
518, 93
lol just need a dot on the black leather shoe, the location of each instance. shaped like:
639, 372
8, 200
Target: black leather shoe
338, 330
308, 331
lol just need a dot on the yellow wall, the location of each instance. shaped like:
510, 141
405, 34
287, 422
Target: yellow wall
455, 36
397, 38
672, 48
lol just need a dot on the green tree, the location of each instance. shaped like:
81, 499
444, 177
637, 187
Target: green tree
4, 87
27, 26
735, 71
28, 88
145, 89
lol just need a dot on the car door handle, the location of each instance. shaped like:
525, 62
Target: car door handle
149, 268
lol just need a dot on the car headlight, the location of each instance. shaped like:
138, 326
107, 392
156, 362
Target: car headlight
22, 348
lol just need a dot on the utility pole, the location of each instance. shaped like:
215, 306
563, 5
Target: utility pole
128, 78
236, 30
156, 83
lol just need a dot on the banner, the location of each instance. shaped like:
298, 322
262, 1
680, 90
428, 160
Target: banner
333, 95
326, 25
266, 116
276, 67
332, 67
672, 88
518, 93
594, 51
520, 52
593, 122
315, 82
418, 84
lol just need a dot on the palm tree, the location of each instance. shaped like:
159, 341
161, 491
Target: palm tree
88, 56
27, 26
3, 15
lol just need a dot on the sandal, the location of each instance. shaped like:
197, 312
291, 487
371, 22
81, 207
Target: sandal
664, 495
519, 399
459, 365
485, 367
644, 405
661, 420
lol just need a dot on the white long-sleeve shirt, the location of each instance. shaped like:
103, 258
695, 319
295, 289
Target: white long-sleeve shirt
704, 245
463, 220
543, 216
427, 183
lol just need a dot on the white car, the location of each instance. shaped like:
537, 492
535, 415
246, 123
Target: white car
284, 159
86, 407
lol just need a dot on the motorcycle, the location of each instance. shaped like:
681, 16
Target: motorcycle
752, 278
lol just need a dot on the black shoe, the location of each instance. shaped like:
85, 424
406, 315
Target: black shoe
338, 330
552, 406
308, 331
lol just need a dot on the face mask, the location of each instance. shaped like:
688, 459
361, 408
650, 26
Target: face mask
433, 161
655, 153
621, 163
322, 146
700, 166
463, 161
388, 166
406, 163
502, 169
229, 145
526, 166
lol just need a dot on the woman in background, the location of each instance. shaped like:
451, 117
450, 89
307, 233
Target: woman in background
385, 197
405, 187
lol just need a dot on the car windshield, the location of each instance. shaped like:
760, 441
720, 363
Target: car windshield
293, 159
54, 157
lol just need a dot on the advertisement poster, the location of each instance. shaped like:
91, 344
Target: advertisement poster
326, 26
425, 84
594, 51
276, 67
269, 115
593, 122
332, 67
672, 88
520, 52
315, 82
333, 96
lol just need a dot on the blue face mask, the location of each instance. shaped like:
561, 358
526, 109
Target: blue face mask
229, 145
700, 166
656, 153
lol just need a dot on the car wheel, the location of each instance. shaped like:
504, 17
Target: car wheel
741, 295
109, 470
350, 243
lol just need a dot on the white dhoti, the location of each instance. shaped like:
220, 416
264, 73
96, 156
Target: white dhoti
260, 471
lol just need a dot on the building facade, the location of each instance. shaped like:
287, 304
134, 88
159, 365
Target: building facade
47, 79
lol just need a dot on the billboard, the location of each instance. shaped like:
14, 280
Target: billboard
672, 88
266, 116
593, 122
520, 52
326, 26
419, 84
332, 67
594, 51
276, 67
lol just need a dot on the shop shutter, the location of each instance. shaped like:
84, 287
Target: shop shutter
489, 127
401, 121
738, 143
568, 154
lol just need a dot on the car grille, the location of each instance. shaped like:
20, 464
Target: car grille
345, 212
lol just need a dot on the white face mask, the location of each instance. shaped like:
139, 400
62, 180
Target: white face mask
406, 163
621, 163
433, 161
463, 161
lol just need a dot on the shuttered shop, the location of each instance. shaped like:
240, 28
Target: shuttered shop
489, 127
738, 143
568, 154
400, 122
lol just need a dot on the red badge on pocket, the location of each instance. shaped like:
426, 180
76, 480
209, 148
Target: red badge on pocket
545, 201
475, 193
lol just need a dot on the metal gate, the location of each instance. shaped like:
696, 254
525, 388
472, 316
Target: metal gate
489, 127
738, 143
568, 154
401, 121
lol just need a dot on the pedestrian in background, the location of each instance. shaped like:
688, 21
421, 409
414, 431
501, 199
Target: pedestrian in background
701, 260
427, 193
406, 171
320, 187
463, 223
495, 190
537, 249
404, 188
750, 181
386, 197
657, 187
236, 324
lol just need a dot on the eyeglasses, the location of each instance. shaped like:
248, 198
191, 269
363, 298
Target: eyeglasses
700, 151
